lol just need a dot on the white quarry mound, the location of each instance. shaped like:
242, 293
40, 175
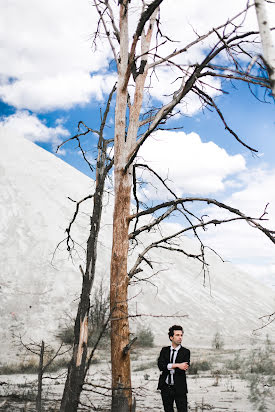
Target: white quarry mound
38, 290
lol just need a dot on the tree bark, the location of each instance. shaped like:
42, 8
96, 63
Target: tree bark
121, 375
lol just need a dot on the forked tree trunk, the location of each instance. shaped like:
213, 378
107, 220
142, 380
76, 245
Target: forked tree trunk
124, 144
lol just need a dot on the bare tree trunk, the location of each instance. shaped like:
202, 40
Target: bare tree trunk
76, 369
121, 375
40, 377
266, 38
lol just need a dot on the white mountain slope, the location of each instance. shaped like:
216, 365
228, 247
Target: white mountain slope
36, 294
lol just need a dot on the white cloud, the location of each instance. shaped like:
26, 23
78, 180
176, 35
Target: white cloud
48, 54
52, 92
238, 241
29, 126
191, 165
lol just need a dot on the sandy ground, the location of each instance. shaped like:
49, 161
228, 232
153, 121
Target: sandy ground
216, 389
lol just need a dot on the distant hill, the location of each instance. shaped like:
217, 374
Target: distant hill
39, 291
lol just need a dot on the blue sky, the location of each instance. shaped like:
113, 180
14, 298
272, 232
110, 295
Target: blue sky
52, 77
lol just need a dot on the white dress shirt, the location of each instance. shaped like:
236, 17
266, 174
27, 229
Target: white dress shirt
169, 366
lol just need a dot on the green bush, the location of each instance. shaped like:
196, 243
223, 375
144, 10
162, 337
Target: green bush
198, 366
145, 338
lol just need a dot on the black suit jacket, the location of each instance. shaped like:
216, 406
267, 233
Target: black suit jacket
183, 355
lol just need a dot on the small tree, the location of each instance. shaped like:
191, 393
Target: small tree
47, 356
217, 342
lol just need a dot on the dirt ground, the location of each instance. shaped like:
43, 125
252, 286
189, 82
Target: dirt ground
218, 388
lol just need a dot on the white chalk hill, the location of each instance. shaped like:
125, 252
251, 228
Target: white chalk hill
37, 290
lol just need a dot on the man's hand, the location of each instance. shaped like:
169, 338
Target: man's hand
183, 366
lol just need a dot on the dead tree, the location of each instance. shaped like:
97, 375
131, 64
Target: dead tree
40, 377
46, 356
137, 59
78, 365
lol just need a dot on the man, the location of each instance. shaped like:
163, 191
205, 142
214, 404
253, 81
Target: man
173, 361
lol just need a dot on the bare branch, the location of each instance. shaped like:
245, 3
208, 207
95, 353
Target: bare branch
267, 319
198, 40
208, 99
68, 230
111, 15
155, 222
76, 137
107, 32
251, 221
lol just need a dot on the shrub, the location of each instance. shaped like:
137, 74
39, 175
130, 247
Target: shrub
193, 368
145, 338
259, 391
234, 364
98, 316
66, 335
259, 371
260, 360
31, 366
198, 366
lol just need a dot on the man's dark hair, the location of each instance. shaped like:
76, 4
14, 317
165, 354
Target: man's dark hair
172, 329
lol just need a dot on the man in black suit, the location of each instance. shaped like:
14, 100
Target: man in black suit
173, 361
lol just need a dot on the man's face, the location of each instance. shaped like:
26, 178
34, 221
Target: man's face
176, 338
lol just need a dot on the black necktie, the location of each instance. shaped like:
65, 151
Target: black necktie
171, 361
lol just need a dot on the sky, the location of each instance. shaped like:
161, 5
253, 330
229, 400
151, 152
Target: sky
53, 75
